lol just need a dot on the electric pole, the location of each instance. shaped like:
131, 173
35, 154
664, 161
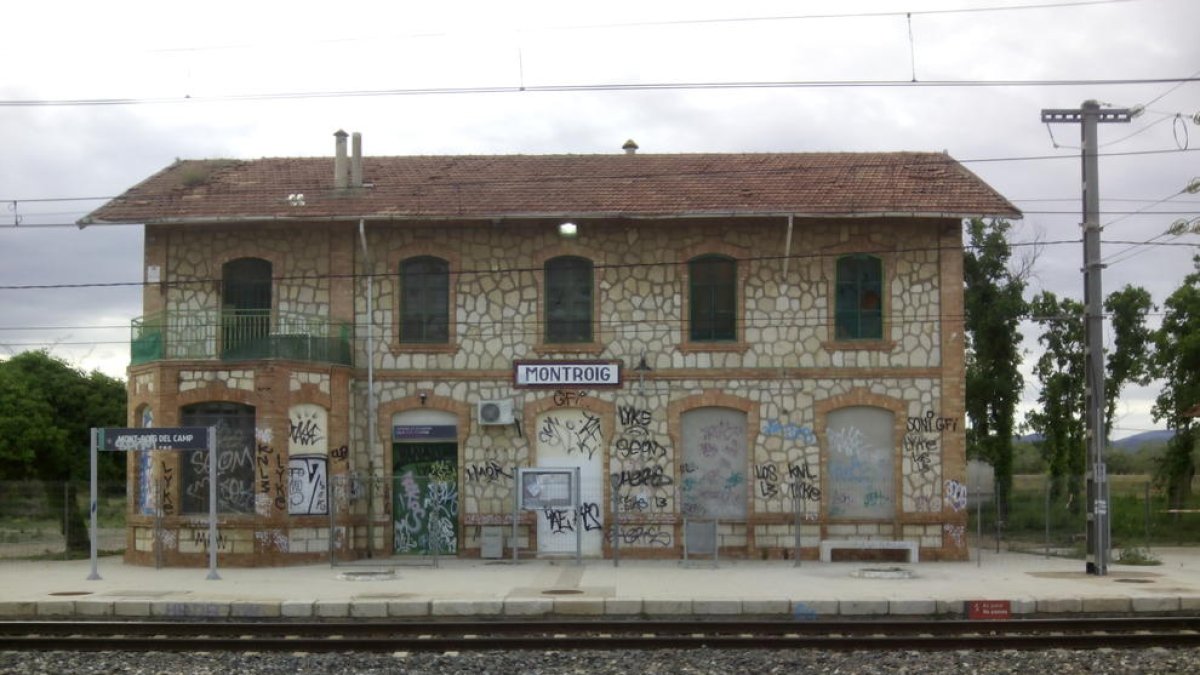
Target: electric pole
1098, 531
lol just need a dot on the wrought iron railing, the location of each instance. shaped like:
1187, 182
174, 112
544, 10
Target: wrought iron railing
240, 335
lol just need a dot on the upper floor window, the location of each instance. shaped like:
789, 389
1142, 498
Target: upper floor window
568, 299
424, 300
245, 307
859, 301
712, 293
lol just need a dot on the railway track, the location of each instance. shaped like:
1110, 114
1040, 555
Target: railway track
259, 636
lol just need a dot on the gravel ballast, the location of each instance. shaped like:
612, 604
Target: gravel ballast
650, 662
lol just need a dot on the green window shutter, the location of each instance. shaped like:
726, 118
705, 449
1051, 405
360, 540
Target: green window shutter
712, 293
425, 300
858, 302
568, 299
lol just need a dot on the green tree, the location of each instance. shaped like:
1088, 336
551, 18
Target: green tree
1177, 344
46, 411
1060, 371
994, 305
1131, 361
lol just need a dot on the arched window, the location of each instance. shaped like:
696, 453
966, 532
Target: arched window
859, 302
245, 308
712, 293
568, 299
424, 300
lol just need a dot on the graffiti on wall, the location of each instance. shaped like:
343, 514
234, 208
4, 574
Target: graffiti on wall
789, 431
956, 495
799, 481
235, 473
425, 498
860, 463
307, 486
713, 481
571, 434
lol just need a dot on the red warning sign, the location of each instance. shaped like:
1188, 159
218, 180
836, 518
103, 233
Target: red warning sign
989, 610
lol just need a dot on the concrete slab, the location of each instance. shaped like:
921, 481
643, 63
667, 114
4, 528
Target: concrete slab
863, 607
1059, 605
812, 609
93, 608
466, 608
622, 606
579, 606
249, 609
716, 607
131, 608
664, 607
1169, 603
297, 609
528, 606
368, 609
765, 607
1107, 605
408, 608
331, 608
912, 607
55, 607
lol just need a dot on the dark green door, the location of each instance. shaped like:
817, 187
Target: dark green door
425, 498
245, 309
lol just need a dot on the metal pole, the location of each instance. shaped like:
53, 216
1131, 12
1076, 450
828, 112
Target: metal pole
1146, 519
362, 235
330, 500
1098, 526
212, 504
94, 500
615, 527
578, 524
1046, 514
516, 511
978, 527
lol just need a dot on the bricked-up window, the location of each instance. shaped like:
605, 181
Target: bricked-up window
859, 302
712, 293
568, 299
235, 459
425, 300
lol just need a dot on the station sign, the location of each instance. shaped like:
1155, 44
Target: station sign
153, 438
560, 374
424, 432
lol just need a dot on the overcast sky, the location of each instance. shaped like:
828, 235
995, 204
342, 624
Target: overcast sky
198, 80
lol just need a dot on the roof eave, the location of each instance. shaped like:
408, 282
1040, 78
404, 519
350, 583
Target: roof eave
550, 215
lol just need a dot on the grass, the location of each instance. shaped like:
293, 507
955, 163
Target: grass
1134, 523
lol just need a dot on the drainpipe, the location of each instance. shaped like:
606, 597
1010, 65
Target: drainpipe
362, 237
787, 250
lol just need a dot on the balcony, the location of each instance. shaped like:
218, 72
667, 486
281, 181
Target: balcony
240, 335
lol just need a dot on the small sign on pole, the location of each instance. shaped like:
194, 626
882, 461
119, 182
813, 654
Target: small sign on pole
164, 438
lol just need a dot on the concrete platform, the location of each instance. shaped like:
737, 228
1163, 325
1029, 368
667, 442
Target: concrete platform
456, 589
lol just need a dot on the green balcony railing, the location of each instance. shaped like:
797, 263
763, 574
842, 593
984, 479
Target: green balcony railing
240, 335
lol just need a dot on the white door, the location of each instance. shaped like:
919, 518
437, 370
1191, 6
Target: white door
567, 438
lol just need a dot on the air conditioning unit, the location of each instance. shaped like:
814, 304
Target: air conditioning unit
494, 412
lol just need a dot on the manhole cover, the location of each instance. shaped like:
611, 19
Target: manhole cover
1134, 581
387, 575
883, 573
562, 591
71, 593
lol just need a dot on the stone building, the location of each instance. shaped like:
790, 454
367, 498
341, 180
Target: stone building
748, 343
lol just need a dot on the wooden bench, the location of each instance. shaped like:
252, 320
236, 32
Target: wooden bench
827, 546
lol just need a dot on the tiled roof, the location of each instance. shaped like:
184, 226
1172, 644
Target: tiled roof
508, 186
